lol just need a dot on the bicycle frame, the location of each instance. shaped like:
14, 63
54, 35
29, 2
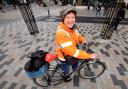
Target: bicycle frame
52, 74
80, 63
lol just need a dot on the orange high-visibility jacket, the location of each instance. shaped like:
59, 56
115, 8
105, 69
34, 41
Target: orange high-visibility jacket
66, 43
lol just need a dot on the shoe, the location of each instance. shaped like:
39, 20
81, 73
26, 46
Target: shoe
67, 78
114, 28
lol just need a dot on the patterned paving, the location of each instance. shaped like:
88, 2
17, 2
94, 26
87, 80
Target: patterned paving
16, 44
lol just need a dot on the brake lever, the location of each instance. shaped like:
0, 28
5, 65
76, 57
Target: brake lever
88, 50
84, 47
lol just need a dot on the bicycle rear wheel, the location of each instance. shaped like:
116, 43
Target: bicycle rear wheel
51, 78
91, 70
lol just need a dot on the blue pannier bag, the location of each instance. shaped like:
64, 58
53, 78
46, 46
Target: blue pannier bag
36, 66
41, 72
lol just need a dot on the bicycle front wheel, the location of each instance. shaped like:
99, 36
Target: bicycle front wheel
91, 70
51, 78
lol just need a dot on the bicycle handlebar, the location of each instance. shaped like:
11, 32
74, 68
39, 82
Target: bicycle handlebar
87, 48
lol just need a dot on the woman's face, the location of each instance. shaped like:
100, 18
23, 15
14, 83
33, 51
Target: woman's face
70, 20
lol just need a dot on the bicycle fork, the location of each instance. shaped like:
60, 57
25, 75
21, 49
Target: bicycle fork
50, 76
88, 67
49, 80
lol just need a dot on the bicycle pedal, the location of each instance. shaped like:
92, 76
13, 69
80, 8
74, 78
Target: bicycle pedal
67, 78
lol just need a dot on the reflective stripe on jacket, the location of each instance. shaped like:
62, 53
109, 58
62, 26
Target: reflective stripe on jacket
67, 41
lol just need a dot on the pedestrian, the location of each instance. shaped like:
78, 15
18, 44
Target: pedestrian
52, 2
105, 9
14, 3
98, 9
39, 2
67, 40
1, 6
88, 5
119, 17
48, 12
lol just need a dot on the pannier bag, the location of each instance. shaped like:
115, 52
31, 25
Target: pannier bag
38, 65
41, 72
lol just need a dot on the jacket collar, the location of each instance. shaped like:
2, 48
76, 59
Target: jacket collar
64, 27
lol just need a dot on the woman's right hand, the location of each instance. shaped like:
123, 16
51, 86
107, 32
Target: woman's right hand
93, 55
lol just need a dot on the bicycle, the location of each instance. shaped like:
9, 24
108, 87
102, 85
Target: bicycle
87, 69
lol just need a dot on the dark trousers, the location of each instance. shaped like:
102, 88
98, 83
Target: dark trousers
1, 8
98, 12
115, 23
65, 67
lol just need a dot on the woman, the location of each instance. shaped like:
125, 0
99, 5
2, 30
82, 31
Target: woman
67, 40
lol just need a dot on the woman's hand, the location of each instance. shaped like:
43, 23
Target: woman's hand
93, 55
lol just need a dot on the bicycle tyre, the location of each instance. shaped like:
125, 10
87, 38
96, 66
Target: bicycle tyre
44, 82
93, 72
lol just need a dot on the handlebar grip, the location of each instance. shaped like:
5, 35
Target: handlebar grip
84, 46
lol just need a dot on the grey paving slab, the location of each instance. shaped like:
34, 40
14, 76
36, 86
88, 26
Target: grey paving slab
12, 86
3, 84
76, 81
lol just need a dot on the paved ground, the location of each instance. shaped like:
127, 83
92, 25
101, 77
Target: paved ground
16, 44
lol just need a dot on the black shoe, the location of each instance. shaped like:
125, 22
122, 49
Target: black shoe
67, 78
115, 29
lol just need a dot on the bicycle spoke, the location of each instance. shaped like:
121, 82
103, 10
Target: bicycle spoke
91, 70
56, 78
88, 72
44, 78
51, 78
41, 81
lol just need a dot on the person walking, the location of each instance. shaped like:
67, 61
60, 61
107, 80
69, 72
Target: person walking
48, 12
14, 3
98, 9
1, 6
119, 17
